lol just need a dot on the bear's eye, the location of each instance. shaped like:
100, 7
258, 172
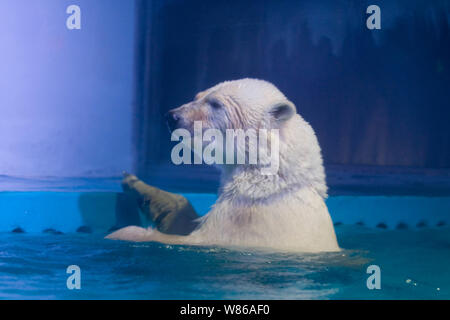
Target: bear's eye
215, 104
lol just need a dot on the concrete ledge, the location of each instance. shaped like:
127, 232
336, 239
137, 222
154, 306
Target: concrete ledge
99, 211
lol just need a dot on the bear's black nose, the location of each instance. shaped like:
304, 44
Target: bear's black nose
172, 120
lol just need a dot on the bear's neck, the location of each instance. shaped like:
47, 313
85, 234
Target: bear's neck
248, 185
299, 166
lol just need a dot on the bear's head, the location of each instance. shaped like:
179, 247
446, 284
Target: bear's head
239, 104
252, 104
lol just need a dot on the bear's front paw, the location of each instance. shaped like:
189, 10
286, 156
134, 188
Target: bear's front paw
128, 181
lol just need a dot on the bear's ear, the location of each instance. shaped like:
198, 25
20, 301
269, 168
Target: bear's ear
283, 111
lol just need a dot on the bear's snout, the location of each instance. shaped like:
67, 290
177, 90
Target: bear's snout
173, 119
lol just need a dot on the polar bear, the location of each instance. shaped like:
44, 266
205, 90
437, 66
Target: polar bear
284, 211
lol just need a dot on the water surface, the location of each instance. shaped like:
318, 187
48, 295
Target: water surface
414, 265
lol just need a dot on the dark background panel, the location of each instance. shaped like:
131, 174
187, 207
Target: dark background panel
376, 98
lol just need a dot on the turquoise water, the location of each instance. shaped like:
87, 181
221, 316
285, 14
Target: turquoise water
414, 265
